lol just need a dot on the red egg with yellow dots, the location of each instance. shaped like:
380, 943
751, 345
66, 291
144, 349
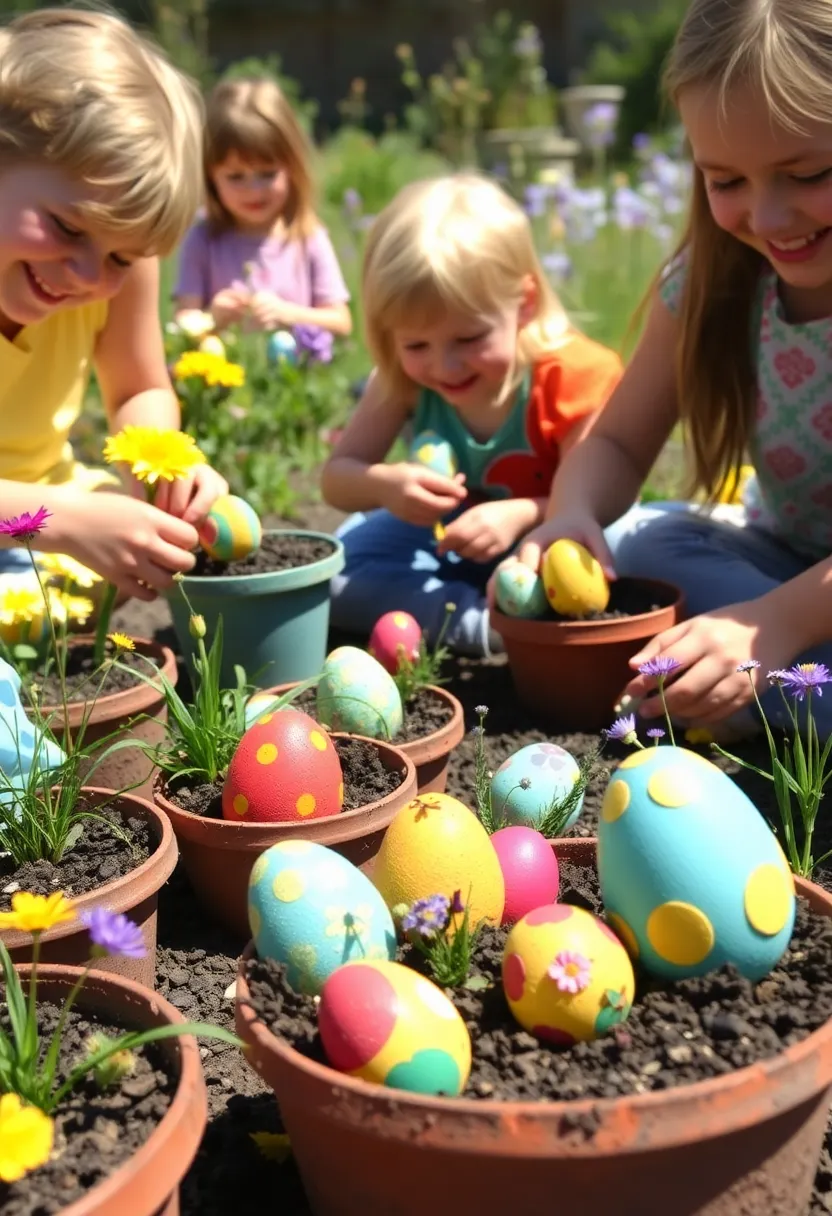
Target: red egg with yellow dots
395, 635
285, 770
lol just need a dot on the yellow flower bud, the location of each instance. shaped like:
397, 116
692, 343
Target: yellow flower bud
196, 626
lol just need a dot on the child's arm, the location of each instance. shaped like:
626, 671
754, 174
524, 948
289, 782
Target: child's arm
355, 478
193, 287
329, 309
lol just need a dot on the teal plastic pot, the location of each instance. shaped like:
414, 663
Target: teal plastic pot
275, 624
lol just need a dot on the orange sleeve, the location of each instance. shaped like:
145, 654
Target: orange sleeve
572, 382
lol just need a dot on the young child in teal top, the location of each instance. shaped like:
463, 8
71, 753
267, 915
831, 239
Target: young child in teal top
471, 347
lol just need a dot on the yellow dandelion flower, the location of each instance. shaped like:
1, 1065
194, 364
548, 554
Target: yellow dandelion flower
75, 608
698, 734
121, 641
154, 454
22, 613
26, 1135
66, 568
273, 1145
36, 913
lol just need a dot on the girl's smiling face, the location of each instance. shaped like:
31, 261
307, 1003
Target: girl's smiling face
51, 257
255, 193
768, 185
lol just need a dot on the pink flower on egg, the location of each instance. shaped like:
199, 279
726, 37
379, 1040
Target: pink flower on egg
570, 971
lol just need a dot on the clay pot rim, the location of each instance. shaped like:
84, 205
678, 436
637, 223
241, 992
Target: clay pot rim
427, 747
549, 633
307, 575
615, 1116
178, 1119
258, 836
122, 893
115, 704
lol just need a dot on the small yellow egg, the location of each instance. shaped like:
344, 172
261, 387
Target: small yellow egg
574, 581
212, 345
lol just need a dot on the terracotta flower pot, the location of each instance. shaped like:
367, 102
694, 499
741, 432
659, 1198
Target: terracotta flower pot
117, 712
136, 895
148, 1183
571, 673
748, 1141
218, 854
431, 754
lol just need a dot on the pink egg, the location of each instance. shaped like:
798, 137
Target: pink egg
395, 634
530, 870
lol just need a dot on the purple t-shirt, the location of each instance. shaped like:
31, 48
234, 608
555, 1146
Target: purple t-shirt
303, 271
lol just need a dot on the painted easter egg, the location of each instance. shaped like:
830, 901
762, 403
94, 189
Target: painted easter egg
436, 846
212, 345
312, 910
356, 695
435, 453
282, 348
385, 1023
531, 782
573, 579
395, 635
285, 768
530, 871
518, 591
691, 874
232, 530
259, 704
566, 976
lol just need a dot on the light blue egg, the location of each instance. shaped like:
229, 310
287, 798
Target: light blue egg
434, 453
282, 348
258, 705
20, 751
691, 874
518, 591
357, 695
547, 772
312, 910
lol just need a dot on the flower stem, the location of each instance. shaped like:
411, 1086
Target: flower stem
103, 627
67, 739
666, 714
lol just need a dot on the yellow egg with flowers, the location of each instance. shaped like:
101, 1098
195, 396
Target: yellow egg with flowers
573, 579
436, 846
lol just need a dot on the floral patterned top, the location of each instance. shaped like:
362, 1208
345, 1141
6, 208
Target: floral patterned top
791, 444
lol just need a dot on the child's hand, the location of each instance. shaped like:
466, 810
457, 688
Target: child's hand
271, 312
229, 306
128, 542
483, 532
710, 648
580, 527
191, 498
419, 496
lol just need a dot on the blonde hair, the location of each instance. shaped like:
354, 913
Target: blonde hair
81, 91
457, 242
784, 49
254, 119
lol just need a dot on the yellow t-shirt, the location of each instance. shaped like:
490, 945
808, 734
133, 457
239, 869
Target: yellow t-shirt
44, 373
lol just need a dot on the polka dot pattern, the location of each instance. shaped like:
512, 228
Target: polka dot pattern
514, 976
258, 871
240, 804
305, 805
636, 759
356, 1016
266, 753
616, 801
255, 921
769, 894
549, 914
674, 787
317, 740
288, 886
680, 933
551, 1034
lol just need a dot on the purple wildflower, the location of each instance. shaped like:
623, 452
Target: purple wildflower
314, 342
622, 729
112, 934
535, 199
748, 665
558, 264
662, 665
600, 121
457, 906
427, 916
807, 677
352, 200
655, 732
25, 527
778, 676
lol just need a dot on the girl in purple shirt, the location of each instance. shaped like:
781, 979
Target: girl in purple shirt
260, 257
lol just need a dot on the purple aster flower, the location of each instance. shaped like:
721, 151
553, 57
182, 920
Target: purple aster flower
642, 142
535, 199
807, 677
655, 732
457, 906
25, 527
558, 264
314, 342
662, 665
352, 200
778, 676
427, 917
631, 209
622, 729
748, 665
600, 121
112, 934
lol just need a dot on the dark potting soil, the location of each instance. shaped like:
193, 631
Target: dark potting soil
97, 857
677, 1033
96, 1130
365, 780
628, 597
424, 714
81, 681
283, 551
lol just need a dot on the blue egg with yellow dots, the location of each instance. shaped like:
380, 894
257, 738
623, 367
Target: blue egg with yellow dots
232, 530
312, 910
282, 348
692, 876
435, 453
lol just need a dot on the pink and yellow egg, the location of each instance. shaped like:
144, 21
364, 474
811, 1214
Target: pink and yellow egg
396, 637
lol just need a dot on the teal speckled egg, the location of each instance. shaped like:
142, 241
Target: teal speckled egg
356, 695
282, 348
312, 910
435, 453
518, 591
530, 782
691, 874
232, 529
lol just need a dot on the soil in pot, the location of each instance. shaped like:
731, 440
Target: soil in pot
99, 856
81, 681
95, 1131
628, 597
676, 1034
424, 714
277, 552
366, 780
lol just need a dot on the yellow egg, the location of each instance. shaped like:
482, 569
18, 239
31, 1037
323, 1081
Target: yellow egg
573, 579
436, 846
566, 975
212, 345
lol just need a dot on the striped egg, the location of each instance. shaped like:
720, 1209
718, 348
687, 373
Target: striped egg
434, 453
232, 530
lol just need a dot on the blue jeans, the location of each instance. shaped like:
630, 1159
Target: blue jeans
393, 565
15, 560
716, 560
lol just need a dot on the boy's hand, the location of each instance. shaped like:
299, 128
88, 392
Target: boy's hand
191, 498
419, 496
